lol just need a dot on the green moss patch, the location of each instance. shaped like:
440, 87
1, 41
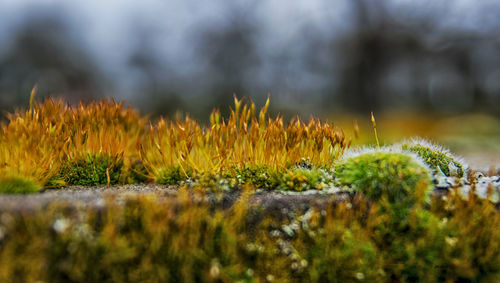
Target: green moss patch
136, 173
302, 179
436, 159
172, 176
294, 178
92, 170
376, 174
17, 185
259, 176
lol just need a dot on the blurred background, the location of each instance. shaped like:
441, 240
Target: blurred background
427, 68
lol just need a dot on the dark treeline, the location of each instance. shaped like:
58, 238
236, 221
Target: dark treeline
383, 58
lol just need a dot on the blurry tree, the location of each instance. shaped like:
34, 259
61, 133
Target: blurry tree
157, 96
44, 53
375, 43
385, 55
381, 39
229, 50
457, 51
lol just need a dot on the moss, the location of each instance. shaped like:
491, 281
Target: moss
137, 173
377, 174
414, 247
436, 157
92, 169
55, 182
256, 175
295, 178
172, 176
182, 239
305, 163
17, 185
49, 143
244, 138
301, 179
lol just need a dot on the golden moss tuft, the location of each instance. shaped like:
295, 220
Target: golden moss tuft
244, 139
42, 142
55, 144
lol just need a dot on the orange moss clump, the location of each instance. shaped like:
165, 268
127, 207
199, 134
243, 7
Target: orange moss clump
245, 138
45, 142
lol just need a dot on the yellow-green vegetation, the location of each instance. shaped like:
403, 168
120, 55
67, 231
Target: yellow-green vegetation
399, 181
302, 179
171, 176
245, 142
53, 143
292, 178
31, 145
17, 185
389, 232
104, 142
184, 240
436, 157
398, 176
92, 169
259, 176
